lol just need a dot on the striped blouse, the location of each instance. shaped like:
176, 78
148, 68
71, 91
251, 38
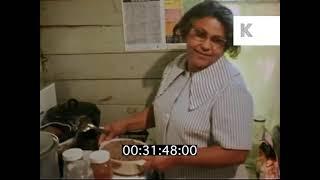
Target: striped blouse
209, 107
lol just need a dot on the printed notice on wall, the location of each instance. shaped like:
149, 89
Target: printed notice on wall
174, 10
143, 27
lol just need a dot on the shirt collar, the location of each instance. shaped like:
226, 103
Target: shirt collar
208, 82
205, 83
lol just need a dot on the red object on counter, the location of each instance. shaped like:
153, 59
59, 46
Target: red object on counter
100, 164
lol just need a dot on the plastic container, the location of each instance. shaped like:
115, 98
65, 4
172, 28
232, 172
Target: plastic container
100, 164
75, 167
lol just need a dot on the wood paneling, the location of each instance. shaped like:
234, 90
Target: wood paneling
108, 66
73, 40
81, 12
116, 92
111, 113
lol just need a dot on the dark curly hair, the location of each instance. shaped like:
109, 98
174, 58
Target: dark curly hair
208, 8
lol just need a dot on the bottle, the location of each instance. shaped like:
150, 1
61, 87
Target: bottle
258, 132
100, 164
75, 167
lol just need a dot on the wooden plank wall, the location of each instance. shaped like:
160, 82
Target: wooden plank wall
83, 41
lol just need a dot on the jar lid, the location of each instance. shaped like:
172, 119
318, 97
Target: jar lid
72, 154
100, 156
259, 119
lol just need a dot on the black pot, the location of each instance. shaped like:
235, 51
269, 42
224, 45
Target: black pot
65, 117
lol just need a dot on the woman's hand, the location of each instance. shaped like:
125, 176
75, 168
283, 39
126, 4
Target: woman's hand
159, 163
113, 129
137, 121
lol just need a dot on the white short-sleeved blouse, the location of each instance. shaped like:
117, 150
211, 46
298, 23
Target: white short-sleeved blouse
209, 107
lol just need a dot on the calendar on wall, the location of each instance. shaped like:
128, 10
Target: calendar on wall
143, 28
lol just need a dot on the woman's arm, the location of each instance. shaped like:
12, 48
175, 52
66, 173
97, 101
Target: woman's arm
213, 157
138, 121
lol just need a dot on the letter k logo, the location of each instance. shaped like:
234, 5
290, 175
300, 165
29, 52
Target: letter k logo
245, 30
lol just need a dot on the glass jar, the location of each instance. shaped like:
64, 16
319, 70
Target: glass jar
75, 167
100, 164
258, 132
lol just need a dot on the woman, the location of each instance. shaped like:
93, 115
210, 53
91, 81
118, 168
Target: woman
202, 100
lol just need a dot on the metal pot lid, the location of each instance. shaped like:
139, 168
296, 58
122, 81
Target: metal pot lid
46, 142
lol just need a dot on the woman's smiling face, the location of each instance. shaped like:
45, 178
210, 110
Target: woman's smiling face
205, 43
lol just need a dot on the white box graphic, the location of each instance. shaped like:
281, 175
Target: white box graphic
256, 30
